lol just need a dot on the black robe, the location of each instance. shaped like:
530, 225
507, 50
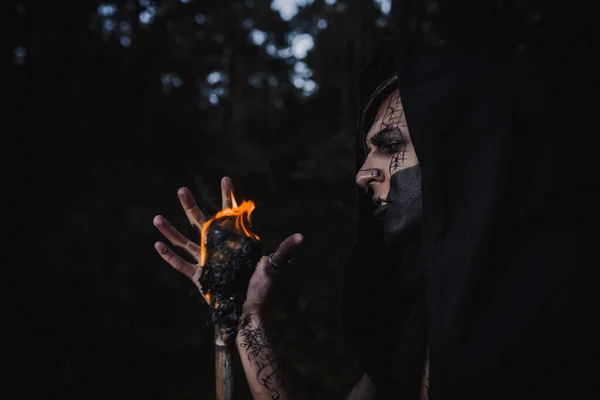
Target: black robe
498, 285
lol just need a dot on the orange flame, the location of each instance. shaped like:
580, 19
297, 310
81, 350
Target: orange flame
242, 215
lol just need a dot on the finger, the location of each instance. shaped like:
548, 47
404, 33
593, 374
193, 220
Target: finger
226, 192
287, 248
174, 260
176, 238
191, 209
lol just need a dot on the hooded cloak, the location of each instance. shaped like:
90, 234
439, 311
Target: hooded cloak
497, 284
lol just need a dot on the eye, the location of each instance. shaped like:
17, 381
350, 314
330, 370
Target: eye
392, 147
388, 141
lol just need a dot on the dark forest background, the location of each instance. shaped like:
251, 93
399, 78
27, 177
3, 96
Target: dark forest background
118, 104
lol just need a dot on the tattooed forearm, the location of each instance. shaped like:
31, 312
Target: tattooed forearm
425, 378
264, 368
259, 350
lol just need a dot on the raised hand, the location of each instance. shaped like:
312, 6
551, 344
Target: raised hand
267, 270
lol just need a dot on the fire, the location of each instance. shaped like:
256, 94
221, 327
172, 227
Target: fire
242, 215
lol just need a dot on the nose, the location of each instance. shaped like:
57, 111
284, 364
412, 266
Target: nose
365, 177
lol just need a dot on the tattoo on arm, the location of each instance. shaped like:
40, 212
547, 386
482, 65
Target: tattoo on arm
259, 348
425, 378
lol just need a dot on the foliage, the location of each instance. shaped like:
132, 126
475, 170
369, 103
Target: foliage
134, 99
154, 95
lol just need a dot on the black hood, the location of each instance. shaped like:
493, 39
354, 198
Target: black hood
503, 198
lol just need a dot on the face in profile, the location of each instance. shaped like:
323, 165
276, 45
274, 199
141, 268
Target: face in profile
391, 170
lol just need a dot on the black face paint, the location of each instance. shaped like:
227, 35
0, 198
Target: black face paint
405, 208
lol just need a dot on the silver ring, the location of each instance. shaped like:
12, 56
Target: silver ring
273, 262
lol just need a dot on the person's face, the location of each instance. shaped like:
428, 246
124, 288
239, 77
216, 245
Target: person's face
390, 149
391, 169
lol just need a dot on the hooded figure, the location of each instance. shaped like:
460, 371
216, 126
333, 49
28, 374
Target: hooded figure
492, 282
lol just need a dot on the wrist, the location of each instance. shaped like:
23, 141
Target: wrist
251, 310
249, 318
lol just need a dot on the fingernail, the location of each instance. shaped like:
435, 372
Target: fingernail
162, 249
224, 181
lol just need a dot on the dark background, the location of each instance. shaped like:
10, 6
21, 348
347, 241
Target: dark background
118, 104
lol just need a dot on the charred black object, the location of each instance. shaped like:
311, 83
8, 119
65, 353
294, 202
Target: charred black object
231, 259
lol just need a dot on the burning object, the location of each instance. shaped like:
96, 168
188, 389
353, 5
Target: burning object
229, 252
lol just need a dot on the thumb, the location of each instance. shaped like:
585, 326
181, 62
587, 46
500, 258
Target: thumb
286, 249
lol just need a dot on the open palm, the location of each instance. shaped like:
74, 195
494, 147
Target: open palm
263, 278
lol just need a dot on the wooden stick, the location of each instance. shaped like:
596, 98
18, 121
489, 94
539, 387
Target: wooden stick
224, 366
